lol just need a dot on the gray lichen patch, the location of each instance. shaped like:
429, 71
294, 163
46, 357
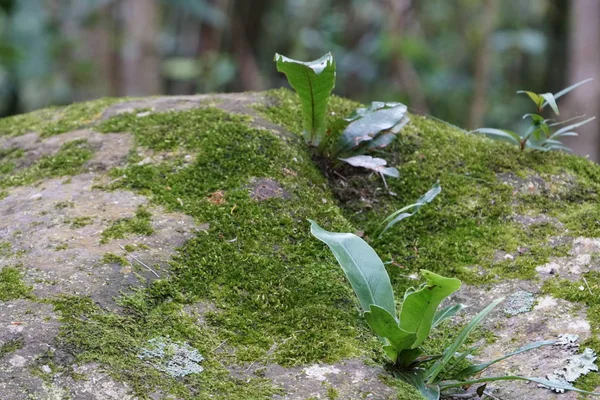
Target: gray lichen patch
174, 358
519, 302
35, 226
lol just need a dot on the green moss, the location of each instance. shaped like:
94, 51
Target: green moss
139, 224
12, 285
60, 247
23, 123
69, 160
5, 249
467, 223
115, 340
80, 222
61, 205
11, 346
277, 293
8, 158
56, 120
129, 248
332, 393
111, 258
404, 390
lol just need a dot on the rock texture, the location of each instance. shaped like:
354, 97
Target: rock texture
111, 227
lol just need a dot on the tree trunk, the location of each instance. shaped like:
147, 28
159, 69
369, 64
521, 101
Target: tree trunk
482, 65
140, 61
584, 62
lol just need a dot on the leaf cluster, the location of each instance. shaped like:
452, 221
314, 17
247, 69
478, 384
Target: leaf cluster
403, 334
369, 129
542, 134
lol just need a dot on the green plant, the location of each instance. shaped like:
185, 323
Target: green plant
370, 128
539, 135
403, 334
407, 211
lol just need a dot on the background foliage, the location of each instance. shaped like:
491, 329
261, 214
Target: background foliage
460, 60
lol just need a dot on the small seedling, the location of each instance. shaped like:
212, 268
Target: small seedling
543, 134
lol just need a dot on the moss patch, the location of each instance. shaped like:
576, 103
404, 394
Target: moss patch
278, 294
8, 158
56, 120
111, 258
80, 222
69, 160
138, 224
116, 340
469, 221
11, 284
11, 346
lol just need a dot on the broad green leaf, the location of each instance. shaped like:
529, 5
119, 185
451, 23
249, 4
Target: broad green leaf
446, 313
537, 99
386, 326
449, 352
402, 213
549, 97
474, 369
419, 306
500, 134
313, 81
372, 163
362, 267
416, 378
367, 124
550, 384
573, 86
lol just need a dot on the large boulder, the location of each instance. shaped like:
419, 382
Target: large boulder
159, 248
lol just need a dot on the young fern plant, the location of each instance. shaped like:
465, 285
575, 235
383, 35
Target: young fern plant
403, 334
542, 134
370, 128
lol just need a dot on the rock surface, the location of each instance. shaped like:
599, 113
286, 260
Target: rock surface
120, 237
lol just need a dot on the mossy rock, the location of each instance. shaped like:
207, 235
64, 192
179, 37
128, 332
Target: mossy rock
183, 221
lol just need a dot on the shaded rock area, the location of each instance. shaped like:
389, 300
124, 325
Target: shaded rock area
96, 216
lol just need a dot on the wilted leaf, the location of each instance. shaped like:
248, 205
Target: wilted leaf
375, 164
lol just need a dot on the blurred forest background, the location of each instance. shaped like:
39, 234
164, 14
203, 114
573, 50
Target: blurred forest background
459, 60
